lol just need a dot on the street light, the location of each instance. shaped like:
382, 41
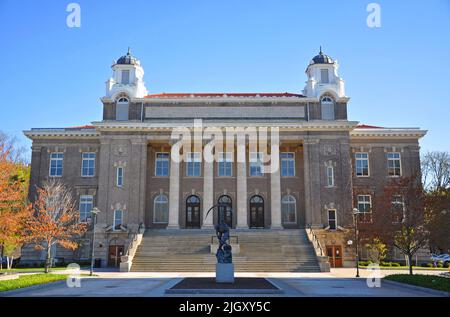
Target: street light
94, 213
355, 221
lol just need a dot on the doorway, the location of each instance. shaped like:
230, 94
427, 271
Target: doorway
256, 212
193, 212
114, 254
225, 208
334, 253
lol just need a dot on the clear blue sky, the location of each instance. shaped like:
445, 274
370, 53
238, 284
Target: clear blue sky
396, 75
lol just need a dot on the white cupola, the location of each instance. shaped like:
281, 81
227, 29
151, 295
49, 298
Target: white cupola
323, 77
127, 78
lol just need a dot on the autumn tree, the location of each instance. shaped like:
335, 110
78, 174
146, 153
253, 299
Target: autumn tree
436, 171
14, 176
398, 216
55, 220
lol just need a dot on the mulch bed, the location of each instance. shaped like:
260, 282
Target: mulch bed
210, 283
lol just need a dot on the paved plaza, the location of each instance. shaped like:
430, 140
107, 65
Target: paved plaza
338, 282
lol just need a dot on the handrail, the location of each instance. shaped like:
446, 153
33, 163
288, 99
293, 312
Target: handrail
315, 240
135, 238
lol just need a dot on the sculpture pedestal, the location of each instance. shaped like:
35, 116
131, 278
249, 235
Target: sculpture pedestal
224, 273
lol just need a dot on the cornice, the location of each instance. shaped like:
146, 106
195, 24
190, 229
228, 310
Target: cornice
409, 133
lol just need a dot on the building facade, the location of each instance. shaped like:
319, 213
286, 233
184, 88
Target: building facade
123, 164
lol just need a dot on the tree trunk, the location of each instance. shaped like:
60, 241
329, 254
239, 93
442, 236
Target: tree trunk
1, 258
48, 257
410, 264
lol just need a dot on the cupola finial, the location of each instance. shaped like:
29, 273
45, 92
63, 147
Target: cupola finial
320, 50
129, 51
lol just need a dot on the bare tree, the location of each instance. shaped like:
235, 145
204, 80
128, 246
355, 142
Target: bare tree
436, 170
56, 219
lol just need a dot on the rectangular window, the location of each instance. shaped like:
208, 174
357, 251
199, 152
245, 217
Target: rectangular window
193, 164
364, 203
330, 176
256, 163
362, 164
398, 209
86, 205
118, 219
119, 176
394, 164
56, 164
287, 164
162, 164
87, 164
225, 165
125, 77
324, 78
332, 222
327, 111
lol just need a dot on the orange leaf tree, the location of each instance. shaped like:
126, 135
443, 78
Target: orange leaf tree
55, 220
13, 199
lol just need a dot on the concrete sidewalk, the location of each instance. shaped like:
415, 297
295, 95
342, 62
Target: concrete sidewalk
154, 284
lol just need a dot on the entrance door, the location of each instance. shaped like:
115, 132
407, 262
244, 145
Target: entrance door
114, 254
334, 253
256, 212
193, 212
226, 209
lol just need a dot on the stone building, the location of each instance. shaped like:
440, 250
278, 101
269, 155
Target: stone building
122, 164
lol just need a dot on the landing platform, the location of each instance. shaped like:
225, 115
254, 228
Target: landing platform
208, 285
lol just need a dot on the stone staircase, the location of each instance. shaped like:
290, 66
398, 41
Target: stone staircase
188, 250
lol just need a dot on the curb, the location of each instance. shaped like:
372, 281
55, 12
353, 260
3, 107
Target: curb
417, 288
30, 288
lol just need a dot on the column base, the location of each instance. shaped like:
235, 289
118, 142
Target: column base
241, 227
277, 227
208, 226
173, 227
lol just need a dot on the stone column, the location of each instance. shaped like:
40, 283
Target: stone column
312, 182
241, 184
174, 194
104, 179
137, 173
275, 187
208, 193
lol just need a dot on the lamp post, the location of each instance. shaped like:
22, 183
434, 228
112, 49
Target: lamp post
355, 221
94, 213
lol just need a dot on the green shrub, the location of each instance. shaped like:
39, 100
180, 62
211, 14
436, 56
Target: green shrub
385, 264
440, 264
447, 264
427, 265
363, 263
396, 264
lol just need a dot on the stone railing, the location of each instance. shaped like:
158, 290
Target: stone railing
126, 261
322, 258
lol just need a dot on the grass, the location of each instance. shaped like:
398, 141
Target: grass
31, 270
407, 268
429, 281
30, 280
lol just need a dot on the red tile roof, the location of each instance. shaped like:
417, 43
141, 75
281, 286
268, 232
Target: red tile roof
253, 94
82, 127
365, 126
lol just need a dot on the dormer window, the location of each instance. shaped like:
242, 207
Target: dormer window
324, 78
125, 77
122, 106
327, 107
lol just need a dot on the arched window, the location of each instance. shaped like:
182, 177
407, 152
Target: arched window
327, 107
289, 209
122, 106
161, 209
225, 208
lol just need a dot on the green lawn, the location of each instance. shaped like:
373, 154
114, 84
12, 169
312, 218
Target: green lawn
429, 281
30, 280
407, 268
32, 270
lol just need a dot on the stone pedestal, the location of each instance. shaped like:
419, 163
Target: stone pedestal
224, 273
